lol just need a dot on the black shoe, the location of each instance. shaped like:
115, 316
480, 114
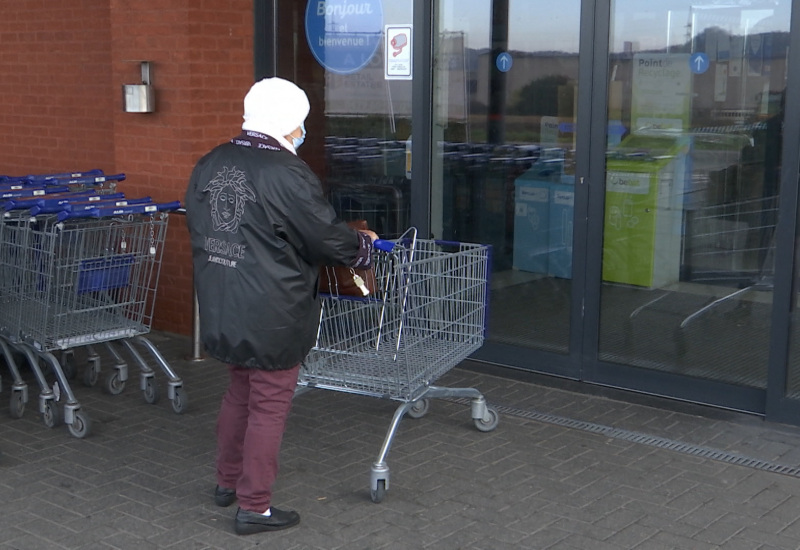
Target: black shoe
248, 522
223, 496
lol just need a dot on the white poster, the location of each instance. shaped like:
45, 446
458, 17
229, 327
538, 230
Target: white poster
662, 88
398, 52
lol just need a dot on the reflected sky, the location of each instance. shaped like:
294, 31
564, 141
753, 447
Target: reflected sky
536, 25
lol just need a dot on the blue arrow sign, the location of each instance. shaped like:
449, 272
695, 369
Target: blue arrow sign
699, 63
504, 62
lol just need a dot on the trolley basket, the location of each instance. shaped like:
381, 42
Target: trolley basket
427, 315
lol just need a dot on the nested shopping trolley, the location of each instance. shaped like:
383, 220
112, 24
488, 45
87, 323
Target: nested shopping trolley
426, 315
76, 278
18, 196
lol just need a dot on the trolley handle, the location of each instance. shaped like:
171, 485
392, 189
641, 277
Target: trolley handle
107, 211
107, 203
383, 245
81, 180
63, 175
84, 202
30, 191
54, 200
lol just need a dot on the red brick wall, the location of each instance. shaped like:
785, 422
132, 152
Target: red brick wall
62, 67
202, 64
55, 83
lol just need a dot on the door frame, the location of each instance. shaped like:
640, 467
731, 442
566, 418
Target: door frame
779, 408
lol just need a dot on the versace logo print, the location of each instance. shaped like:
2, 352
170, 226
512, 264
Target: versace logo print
229, 193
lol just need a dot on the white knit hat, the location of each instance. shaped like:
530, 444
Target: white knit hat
275, 107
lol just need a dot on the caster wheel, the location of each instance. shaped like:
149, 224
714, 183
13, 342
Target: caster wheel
113, 385
379, 493
81, 425
180, 402
91, 374
150, 393
419, 408
16, 408
491, 423
51, 415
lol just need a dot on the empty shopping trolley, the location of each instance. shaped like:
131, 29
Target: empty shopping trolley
427, 314
74, 279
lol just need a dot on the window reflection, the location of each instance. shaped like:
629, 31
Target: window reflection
360, 120
506, 76
692, 185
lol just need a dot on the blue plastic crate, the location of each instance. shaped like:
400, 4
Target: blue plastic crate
104, 273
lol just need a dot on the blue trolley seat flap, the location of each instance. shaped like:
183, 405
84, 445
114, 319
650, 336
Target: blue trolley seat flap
105, 273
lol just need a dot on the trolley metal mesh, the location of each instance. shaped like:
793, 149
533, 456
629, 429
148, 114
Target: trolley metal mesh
427, 316
78, 282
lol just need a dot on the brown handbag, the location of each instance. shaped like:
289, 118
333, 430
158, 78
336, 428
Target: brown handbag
347, 281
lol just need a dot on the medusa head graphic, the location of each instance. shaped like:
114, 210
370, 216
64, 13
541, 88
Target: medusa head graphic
229, 192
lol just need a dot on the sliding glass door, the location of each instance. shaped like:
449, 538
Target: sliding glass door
505, 79
696, 95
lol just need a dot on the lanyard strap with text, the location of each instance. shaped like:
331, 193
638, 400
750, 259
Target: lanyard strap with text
249, 138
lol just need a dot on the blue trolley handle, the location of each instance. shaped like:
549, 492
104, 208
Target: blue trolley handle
383, 245
83, 180
52, 201
84, 202
30, 191
108, 211
116, 203
62, 175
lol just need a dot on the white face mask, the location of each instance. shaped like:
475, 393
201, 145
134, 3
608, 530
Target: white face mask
298, 141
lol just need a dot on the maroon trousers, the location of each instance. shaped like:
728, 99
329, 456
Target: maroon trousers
250, 429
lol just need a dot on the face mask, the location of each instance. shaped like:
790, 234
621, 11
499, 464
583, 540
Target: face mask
298, 141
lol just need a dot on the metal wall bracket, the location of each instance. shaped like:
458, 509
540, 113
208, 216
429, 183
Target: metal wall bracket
139, 98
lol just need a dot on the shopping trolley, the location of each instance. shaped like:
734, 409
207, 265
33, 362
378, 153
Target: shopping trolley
74, 279
34, 192
426, 316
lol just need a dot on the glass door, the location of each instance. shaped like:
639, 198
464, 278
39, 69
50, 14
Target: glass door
354, 61
696, 96
505, 81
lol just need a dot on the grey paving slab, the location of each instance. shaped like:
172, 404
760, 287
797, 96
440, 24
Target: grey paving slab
144, 478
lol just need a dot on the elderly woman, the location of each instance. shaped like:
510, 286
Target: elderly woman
260, 229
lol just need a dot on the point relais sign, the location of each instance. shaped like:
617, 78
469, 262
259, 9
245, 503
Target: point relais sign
344, 34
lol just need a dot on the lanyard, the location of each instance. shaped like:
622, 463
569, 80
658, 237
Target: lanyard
249, 138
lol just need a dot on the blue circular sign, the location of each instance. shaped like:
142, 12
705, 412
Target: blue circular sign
699, 63
504, 62
344, 34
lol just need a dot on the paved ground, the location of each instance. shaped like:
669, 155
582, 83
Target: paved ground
563, 470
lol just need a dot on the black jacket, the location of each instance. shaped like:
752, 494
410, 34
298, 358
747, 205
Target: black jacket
260, 228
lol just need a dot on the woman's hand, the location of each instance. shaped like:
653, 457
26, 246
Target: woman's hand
370, 233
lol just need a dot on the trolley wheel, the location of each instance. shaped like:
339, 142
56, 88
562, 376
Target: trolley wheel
151, 393
16, 406
91, 374
488, 425
180, 402
51, 415
81, 425
379, 493
419, 408
113, 384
